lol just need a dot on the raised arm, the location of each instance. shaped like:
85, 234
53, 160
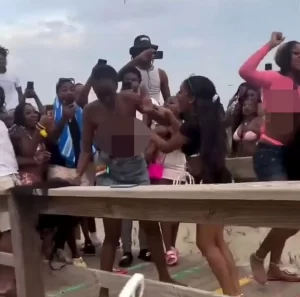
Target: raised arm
249, 72
83, 97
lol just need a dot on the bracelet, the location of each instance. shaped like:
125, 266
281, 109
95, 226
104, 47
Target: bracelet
43, 133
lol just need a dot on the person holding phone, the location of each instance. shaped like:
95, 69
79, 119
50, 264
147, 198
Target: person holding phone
67, 131
9, 82
30, 93
154, 79
282, 122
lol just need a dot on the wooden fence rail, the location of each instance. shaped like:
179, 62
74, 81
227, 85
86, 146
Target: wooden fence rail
274, 204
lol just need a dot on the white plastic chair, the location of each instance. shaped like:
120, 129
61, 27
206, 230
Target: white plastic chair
134, 287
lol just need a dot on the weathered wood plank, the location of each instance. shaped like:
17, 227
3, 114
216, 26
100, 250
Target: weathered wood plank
26, 247
236, 212
6, 259
287, 191
115, 282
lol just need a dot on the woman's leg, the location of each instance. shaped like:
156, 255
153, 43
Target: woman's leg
169, 231
7, 274
93, 231
227, 254
89, 248
144, 253
126, 237
206, 239
269, 166
156, 248
112, 229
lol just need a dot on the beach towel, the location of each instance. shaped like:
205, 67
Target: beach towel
65, 143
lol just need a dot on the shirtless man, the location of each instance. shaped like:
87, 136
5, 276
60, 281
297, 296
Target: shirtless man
110, 119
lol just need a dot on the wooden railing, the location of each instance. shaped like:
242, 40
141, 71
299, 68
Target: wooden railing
274, 204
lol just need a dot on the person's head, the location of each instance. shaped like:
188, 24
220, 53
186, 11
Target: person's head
250, 107
104, 81
25, 115
172, 104
131, 79
250, 93
78, 88
65, 90
241, 90
3, 59
140, 44
2, 98
199, 101
287, 57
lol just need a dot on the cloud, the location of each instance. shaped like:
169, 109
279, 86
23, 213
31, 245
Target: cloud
188, 42
52, 39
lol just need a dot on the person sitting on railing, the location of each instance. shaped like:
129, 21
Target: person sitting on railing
203, 132
246, 124
281, 106
110, 121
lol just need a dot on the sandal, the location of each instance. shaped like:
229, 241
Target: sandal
258, 269
172, 257
283, 275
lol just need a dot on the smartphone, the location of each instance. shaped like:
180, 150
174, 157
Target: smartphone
127, 85
268, 66
30, 86
102, 62
158, 55
123, 186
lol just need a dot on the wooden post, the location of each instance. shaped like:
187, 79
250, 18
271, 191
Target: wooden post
26, 246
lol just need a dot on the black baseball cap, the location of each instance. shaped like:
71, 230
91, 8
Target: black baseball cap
142, 42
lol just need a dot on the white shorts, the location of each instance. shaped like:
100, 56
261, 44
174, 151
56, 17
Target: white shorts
6, 182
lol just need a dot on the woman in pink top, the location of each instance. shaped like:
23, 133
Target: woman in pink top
281, 103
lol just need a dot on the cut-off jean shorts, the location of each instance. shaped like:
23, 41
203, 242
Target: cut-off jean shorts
268, 162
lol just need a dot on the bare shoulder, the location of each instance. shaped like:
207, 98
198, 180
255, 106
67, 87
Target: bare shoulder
91, 108
162, 74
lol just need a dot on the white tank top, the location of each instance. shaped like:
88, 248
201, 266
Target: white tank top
174, 164
151, 82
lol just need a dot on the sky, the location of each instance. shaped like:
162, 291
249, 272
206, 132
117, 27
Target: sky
52, 39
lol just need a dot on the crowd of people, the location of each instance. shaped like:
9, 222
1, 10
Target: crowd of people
188, 138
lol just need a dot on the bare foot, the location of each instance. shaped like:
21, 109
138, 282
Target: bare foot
276, 274
258, 269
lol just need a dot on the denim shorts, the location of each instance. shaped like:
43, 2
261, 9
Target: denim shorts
268, 162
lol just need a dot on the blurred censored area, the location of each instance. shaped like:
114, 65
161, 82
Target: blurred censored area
122, 137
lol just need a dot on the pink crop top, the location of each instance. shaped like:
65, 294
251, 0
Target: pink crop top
279, 93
